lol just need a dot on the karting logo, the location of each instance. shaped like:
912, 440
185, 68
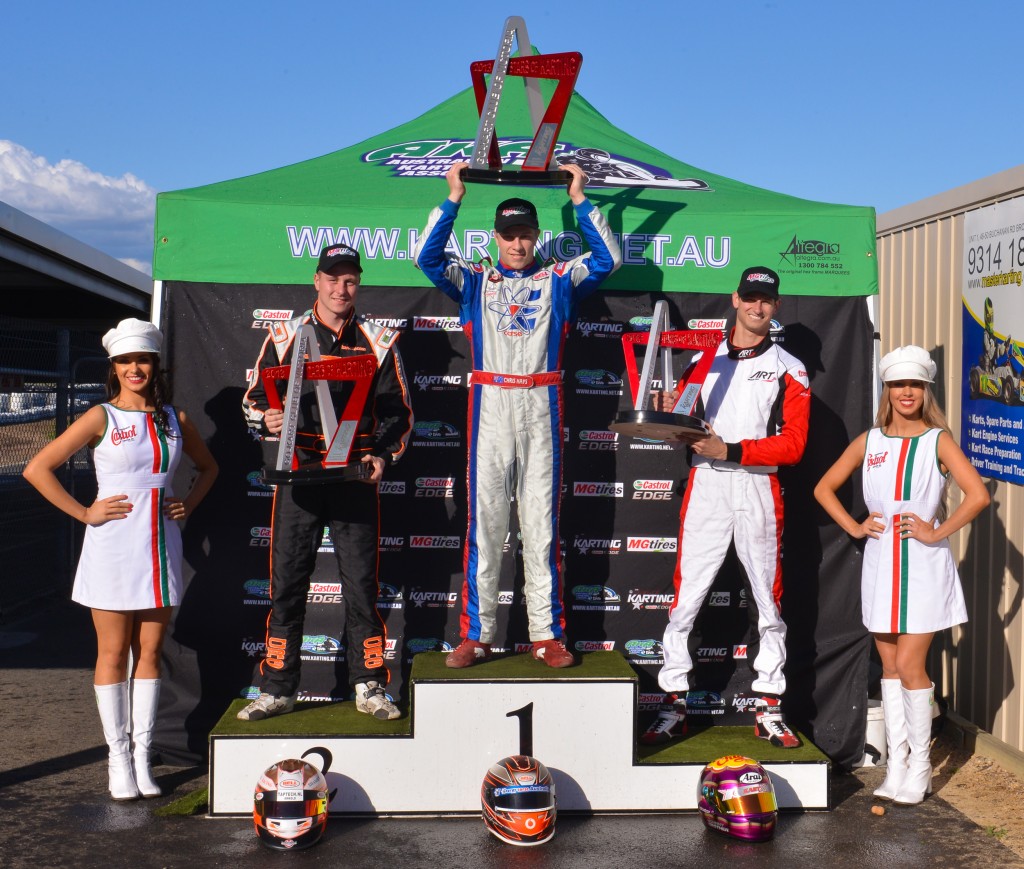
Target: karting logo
433, 599
437, 382
517, 310
601, 329
644, 601
597, 545
712, 654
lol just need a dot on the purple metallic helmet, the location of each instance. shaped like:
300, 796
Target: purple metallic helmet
735, 796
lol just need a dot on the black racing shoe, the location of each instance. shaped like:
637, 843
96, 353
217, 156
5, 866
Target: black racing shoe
670, 723
770, 724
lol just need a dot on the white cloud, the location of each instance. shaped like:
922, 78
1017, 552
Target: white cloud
114, 215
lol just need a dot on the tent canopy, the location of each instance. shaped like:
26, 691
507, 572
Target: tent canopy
682, 229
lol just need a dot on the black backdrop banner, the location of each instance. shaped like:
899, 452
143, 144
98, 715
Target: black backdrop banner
620, 516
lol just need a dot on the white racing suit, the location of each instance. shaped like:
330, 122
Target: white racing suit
758, 401
516, 323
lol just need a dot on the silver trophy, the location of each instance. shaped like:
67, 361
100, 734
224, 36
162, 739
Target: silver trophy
679, 425
539, 166
339, 436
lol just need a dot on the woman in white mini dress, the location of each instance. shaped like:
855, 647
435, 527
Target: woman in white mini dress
910, 587
129, 573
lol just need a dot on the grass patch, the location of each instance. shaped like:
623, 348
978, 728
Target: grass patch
995, 832
194, 803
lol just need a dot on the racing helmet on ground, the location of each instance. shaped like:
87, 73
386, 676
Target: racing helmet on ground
735, 796
290, 805
518, 800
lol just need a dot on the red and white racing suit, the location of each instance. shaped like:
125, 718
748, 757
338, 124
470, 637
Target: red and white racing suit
516, 323
757, 399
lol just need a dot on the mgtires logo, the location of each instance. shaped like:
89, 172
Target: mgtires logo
597, 490
650, 544
391, 487
435, 542
720, 598
739, 652
436, 324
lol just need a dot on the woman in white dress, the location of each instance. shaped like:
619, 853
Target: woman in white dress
909, 583
129, 573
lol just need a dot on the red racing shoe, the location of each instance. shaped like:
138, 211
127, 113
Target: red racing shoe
469, 652
769, 723
553, 653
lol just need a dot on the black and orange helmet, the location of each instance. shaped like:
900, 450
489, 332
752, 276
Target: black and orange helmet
518, 800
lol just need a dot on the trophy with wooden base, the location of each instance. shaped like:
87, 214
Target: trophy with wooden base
680, 425
539, 167
339, 435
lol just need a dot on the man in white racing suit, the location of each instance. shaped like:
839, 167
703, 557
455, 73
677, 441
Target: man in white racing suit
756, 399
516, 315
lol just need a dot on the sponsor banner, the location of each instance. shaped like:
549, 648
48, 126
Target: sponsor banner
992, 360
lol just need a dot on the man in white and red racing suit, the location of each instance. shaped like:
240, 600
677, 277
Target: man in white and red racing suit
516, 315
349, 509
756, 399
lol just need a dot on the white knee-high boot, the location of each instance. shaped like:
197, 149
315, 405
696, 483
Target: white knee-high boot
896, 745
917, 706
112, 701
145, 694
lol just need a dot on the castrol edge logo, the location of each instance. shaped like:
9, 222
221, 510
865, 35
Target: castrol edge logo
263, 317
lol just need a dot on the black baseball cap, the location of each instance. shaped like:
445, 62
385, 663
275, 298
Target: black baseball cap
336, 254
759, 279
515, 212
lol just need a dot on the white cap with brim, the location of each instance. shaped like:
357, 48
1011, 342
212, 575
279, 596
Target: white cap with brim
907, 363
132, 336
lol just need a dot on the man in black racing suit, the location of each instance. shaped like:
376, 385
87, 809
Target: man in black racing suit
350, 509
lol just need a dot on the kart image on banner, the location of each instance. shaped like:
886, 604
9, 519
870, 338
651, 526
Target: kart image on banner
992, 376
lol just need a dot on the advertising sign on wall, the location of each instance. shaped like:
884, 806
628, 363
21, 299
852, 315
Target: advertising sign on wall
992, 426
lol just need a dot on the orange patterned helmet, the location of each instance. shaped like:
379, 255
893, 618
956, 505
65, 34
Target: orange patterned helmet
518, 800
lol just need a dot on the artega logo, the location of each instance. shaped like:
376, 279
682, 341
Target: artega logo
119, 435
876, 459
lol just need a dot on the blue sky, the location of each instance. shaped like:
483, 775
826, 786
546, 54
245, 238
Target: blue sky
871, 103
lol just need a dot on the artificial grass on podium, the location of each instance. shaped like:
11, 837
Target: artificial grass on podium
705, 744
313, 719
589, 667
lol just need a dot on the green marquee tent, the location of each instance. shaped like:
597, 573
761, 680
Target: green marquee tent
681, 227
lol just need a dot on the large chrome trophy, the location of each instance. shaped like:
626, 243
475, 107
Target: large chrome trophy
539, 167
680, 425
339, 435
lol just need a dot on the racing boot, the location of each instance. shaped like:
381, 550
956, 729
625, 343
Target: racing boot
896, 745
670, 723
145, 694
553, 653
469, 652
917, 707
112, 701
769, 723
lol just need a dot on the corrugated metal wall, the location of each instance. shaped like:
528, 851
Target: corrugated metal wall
979, 667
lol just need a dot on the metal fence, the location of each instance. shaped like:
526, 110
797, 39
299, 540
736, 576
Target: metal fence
48, 376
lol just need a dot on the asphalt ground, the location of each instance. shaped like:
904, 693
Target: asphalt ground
55, 811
